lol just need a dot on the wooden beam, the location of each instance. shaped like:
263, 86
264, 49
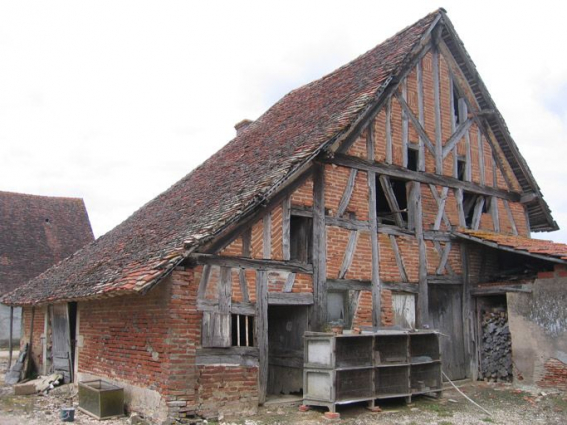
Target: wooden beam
294, 298
510, 217
347, 223
289, 282
460, 208
440, 200
389, 148
495, 214
225, 290
461, 131
421, 117
261, 324
417, 124
423, 295
444, 254
370, 154
251, 263
375, 254
345, 199
422, 177
480, 144
242, 356
437, 109
267, 236
245, 308
399, 259
366, 285
405, 126
477, 215
500, 289
319, 250
349, 254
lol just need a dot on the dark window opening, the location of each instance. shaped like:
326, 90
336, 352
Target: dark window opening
242, 330
413, 155
461, 169
384, 211
469, 203
300, 239
456, 105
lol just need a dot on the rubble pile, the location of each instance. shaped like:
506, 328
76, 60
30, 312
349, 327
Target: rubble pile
496, 352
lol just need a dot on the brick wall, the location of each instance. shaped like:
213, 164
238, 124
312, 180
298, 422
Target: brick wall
555, 375
38, 329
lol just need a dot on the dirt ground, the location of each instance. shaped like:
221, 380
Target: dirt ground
506, 405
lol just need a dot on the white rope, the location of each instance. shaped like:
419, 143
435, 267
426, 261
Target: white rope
466, 396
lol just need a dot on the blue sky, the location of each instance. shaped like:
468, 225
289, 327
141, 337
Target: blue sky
115, 101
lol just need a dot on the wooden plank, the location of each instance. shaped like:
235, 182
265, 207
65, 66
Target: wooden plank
370, 155
500, 289
349, 254
392, 201
393, 230
202, 290
453, 279
261, 324
389, 131
438, 235
353, 306
347, 223
289, 282
405, 127
242, 356
421, 117
319, 250
293, 298
440, 200
417, 124
494, 213
10, 337
267, 236
286, 227
480, 145
345, 199
225, 290
463, 113
462, 130
437, 109
398, 257
478, 207
251, 263
422, 177
510, 217
366, 285
243, 285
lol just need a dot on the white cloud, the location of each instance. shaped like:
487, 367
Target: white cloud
115, 101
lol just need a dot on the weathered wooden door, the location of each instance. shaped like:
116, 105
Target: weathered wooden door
61, 341
446, 313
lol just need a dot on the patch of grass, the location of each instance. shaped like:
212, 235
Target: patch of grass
445, 423
441, 411
490, 420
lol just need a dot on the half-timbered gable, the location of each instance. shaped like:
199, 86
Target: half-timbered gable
366, 199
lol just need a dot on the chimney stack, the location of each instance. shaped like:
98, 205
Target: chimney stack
242, 125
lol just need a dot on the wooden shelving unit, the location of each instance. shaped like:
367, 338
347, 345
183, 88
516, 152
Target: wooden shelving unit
342, 369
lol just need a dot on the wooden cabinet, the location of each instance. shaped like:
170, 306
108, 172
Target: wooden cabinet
342, 369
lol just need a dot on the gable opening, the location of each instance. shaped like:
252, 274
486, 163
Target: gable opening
301, 239
461, 169
470, 205
456, 97
413, 158
391, 201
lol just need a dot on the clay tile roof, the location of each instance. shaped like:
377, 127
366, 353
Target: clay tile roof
137, 253
522, 245
37, 232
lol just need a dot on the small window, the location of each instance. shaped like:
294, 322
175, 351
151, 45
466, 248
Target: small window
337, 308
242, 330
413, 155
301, 239
385, 211
469, 203
461, 169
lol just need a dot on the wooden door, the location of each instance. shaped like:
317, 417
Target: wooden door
61, 341
446, 314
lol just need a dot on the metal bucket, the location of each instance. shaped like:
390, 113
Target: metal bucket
67, 414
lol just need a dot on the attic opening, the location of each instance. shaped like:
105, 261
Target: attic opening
301, 239
472, 202
461, 168
456, 98
391, 201
413, 158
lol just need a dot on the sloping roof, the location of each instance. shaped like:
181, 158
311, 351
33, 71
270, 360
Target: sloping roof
538, 248
135, 255
37, 232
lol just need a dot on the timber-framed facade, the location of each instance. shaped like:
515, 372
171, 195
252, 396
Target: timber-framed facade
381, 219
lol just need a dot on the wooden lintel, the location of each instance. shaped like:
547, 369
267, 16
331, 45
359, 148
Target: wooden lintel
242, 356
290, 298
416, 124
247, 309
500, 289
366, 285
422, 177
251, 263
457, 135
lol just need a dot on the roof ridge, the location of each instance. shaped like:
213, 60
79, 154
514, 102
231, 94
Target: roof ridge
32, 195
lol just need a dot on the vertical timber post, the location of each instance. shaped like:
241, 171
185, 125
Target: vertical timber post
376, 287
10, 336
319, 255
262, 332
423, 290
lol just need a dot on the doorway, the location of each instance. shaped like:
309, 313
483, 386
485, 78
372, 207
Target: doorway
63, 322
286, 326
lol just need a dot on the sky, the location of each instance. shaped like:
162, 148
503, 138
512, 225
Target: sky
114, 101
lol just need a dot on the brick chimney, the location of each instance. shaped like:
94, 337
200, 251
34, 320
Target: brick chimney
242, 125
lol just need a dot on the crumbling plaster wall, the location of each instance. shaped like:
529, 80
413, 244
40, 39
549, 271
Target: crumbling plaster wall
538, 324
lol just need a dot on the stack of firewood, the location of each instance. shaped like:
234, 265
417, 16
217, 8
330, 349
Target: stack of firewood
496, 352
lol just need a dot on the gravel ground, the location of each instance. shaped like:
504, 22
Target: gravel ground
506, 405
